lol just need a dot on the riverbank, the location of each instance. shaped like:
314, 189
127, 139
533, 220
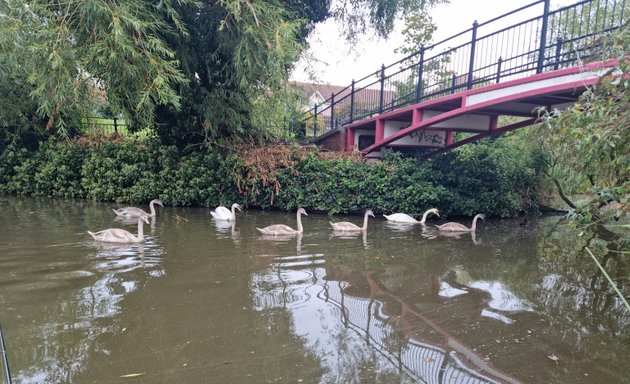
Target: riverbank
492, 177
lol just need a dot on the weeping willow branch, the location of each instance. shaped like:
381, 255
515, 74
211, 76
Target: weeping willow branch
612, 283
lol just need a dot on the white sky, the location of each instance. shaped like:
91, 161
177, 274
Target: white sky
338, 63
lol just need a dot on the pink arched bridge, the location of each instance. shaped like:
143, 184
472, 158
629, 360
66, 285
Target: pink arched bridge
485, 81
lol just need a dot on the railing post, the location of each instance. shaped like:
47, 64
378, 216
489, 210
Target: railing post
382, 99
115, 124
420, 70
499, 69
453, 82
558, 51
315, 120
471, 66
332, 111
352, 102
543, 38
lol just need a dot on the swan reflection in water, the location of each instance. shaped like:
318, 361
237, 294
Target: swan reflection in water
224, 225
127, 257
434, 233
284, 239
120, 256
401, 227
227, 229
124, 220
351, 236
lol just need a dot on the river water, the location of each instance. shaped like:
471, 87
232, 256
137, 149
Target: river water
202, 302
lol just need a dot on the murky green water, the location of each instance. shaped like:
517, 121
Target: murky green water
202, 303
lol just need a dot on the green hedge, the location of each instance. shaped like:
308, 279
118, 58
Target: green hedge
493, 177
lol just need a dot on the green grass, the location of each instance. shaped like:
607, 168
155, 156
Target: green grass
105, 126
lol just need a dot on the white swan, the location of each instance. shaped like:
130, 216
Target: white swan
117, 235
350, 227
281, 229
222, 213
457, 227
137, 212
405, 218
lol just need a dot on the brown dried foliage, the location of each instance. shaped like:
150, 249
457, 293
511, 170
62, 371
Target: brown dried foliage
263, 164
96, 139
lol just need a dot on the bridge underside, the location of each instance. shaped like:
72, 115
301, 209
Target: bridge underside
432, 124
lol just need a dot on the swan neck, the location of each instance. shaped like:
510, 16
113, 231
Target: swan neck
424, 217
152, 208
365, 220
140, 230
233, 212
299, 223
474, 224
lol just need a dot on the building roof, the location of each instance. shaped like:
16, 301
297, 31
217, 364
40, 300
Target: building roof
325, 91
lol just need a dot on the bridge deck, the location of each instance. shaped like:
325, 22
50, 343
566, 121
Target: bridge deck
432, 124
511, 65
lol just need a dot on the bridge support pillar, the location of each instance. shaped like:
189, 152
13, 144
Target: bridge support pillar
416, 116
379, 132
349, 140
494, 122
449, 137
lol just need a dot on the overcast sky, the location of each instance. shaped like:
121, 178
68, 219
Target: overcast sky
337, 63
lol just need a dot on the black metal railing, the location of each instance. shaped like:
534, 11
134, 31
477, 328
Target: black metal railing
511, 46
104, 125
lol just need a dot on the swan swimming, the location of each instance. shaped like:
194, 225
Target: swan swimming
222, 213
350, 227
405, 218
457, 227
281, 229
117, 235
137, 212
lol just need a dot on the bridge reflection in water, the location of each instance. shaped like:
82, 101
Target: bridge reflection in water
390, 343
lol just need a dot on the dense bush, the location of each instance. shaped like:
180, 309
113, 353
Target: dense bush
493, 177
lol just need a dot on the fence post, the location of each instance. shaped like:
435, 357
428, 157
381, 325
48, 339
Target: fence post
543, 38
471, 66
499, 69
332, 111
420, 70
315, 120
558, 50
380, 108
453, 82
115, 124
352, 102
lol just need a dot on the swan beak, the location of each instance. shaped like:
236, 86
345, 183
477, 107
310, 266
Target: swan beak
239, 207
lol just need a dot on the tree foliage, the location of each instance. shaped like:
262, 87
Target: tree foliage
201, 71
67, 55
378, 16
235, 55
589, 143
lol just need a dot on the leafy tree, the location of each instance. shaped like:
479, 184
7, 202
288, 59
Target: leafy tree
235, 55
203, 71
66, 54
378, 16
248, 50
418, 33
577, 30
588, 144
